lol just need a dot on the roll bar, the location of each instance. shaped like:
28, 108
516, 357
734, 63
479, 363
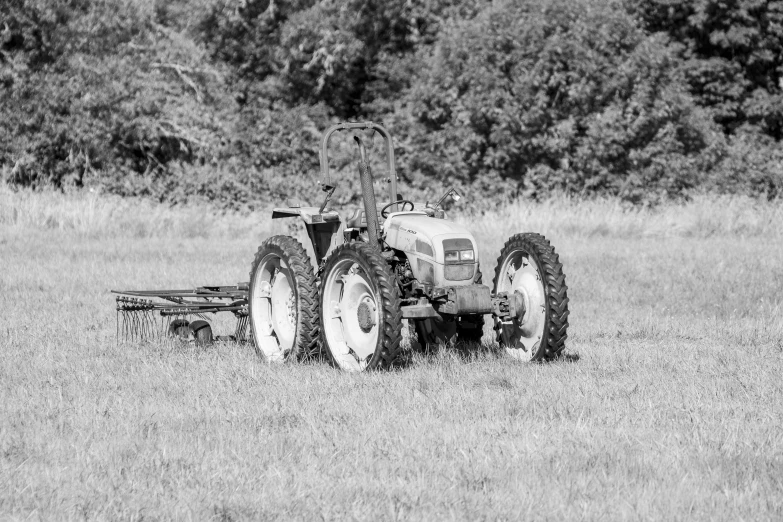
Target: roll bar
325, 176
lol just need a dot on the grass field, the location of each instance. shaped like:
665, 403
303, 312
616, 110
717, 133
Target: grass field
670, 406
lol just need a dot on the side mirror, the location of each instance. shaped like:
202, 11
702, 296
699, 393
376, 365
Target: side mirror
452, 193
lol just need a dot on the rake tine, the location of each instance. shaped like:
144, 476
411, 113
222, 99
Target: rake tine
125, 320
147, 324
164, 327
136, 336
128, 322
143, 317
239, 334
126, 326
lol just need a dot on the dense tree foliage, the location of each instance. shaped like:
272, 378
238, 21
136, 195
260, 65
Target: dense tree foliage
225, 100
567, 94
732, 56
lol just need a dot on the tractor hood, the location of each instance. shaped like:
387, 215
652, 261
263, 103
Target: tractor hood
425, 240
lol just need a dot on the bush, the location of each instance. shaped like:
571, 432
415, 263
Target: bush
731, 55
546, 96
750, 163
116, 94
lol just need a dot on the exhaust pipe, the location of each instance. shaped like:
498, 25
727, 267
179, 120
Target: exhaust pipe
368, 195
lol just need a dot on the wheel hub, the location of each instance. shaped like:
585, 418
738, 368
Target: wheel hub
520, 305
366, 315
351, 325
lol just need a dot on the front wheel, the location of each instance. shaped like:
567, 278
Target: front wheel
530, 272
361, 320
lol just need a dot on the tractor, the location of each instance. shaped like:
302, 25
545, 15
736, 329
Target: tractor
397, 260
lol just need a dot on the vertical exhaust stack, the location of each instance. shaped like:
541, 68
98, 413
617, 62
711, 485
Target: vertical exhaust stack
368, 195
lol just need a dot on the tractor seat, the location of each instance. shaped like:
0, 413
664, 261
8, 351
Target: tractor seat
357, 219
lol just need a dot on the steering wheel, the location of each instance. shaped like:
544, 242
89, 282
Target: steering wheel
402, 202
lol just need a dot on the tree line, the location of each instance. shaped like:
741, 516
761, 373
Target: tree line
225, 99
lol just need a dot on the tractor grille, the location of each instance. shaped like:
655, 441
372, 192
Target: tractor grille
458, 272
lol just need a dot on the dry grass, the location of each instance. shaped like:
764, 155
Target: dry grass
672, 410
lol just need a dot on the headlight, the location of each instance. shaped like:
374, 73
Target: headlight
466, 255
452, 256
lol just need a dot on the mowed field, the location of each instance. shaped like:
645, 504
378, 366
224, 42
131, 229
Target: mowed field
669, 405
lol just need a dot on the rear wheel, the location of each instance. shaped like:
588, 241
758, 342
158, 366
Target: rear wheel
283, 297
361, 320
530, 272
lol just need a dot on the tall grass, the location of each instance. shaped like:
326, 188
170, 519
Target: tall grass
92, 214
703, 216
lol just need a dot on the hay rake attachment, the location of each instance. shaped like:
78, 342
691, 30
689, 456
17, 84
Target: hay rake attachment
148, 315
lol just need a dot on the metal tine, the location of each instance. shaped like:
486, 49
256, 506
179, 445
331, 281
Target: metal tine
149, 317
134, 326
241, 328
129, 326
163, 331
145, 329
139, 315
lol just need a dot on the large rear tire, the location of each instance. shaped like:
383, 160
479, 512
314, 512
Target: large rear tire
283, 300
361, 320
530, 271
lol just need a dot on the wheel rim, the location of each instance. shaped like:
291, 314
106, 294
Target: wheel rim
521, 277
273, 308
351, 317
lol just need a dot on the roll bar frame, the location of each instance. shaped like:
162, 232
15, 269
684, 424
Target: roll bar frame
326, 178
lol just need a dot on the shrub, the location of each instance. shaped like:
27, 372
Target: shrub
566, 95
731, 55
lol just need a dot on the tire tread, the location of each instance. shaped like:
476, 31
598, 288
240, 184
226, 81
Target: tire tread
555, 288
306, 288
389, 298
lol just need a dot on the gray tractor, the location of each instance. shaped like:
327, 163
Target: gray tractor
374, 268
